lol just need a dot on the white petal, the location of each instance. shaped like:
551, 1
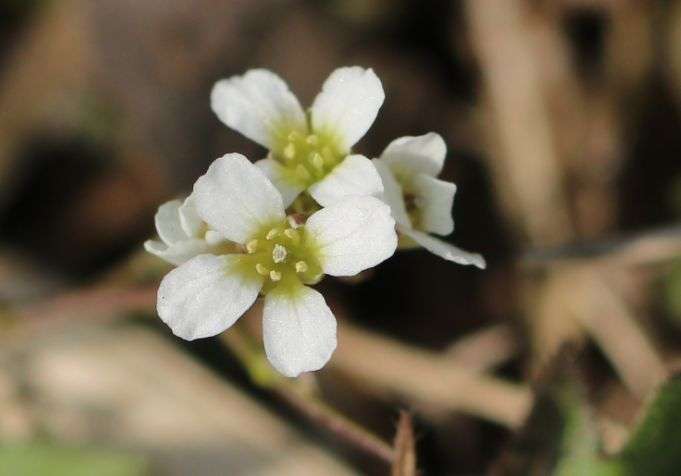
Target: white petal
274, 171
443, 249
205, 296
235, 198
353, 235
412, 155
299, 331
256, 104
178, 252
392, 193
355, 176
434, 198
191, 222
348, 104
167, 221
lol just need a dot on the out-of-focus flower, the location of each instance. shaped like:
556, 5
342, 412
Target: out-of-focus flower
308, 152
280, 258
421, 203
183, 234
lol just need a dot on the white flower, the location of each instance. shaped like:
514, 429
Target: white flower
183, 234
280, 258
421, 203
307, 152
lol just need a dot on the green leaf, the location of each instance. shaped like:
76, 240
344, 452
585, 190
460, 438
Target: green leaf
655, 445
591, 466
36, 459
559, 437
580, 445
579, 439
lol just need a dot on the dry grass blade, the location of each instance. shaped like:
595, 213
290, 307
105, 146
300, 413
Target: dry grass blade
526, 166
632, 353
428, 378
405, 447
484, 349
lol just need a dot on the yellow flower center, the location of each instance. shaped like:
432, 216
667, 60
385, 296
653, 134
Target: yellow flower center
412, 204
308, 158
285, 255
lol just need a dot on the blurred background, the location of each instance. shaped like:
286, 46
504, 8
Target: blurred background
563, 125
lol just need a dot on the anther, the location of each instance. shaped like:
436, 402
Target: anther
301, 267
275, 275
272, 233
279, 253
317, 160
290, 151
312, 139
261, 269
291, 233
252, 246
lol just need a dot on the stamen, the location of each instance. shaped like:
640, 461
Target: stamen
301, 267
292, 222
262, 269
275, 275
291, 233
290, 151
326, 152
317, 160
312, 139
302, 172
292, 136
272, 233
328, 156
279, 253
252, 246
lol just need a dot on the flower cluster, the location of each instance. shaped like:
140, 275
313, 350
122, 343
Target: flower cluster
311, 207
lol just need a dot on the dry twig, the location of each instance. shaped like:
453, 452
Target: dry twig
336, 424
647, 248
295, 395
